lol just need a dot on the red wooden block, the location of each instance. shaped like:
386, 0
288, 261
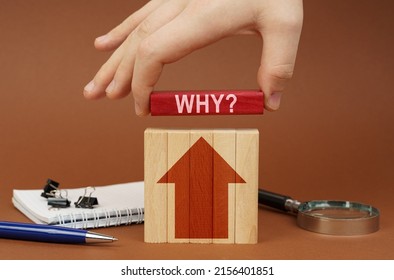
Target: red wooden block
212, 102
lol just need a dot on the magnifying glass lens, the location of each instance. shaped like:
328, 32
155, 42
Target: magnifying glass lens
334, 217
338, 217
337, 210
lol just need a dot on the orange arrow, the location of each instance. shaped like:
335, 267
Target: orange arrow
201, 178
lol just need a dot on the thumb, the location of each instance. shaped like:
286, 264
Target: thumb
280, 44
272, 82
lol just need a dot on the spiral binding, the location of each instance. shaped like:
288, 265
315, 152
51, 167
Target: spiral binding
103, 218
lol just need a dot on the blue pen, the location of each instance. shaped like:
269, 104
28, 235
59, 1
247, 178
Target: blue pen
47, 233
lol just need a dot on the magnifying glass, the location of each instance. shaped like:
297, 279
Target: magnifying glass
333, 217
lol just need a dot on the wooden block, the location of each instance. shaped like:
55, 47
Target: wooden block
247, 156
211, 102
224, 182
201, 189
178, 186
155, 194
201, 186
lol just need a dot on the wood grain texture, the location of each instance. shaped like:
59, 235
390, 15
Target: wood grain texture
212, 102
202, 187
178, 192
155, 196
201, 192
247, 162
224, 145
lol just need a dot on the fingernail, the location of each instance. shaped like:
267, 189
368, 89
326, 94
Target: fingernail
138, 110
274, 100
89, 87
102, 38
110, 87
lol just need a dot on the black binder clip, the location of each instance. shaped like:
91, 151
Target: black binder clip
58, 201
50, 188
87, 201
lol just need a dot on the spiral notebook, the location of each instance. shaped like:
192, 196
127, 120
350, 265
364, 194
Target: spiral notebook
120, 204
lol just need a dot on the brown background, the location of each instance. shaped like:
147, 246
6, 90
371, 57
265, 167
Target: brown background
332, 138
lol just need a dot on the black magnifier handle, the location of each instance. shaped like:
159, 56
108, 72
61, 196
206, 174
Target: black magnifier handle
278, 201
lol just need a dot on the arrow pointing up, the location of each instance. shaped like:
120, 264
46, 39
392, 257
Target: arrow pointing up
201, 178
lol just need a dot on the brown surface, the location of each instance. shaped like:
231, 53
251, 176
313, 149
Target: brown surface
332, 138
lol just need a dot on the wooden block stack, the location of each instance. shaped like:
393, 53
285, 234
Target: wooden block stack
201, 186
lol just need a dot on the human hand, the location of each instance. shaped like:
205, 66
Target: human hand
164, 31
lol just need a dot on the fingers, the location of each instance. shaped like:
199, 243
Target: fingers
189, 31
163, 32
121, 83
95, 89
114, 77
116, 36
280, 36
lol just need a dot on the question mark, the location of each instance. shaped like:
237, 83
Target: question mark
234, 97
